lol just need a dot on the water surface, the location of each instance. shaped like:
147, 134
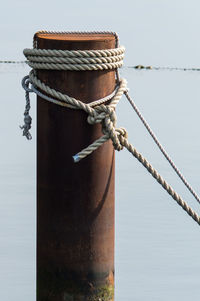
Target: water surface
157, 243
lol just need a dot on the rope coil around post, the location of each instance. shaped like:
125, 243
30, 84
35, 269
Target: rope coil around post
98, 111
78, 60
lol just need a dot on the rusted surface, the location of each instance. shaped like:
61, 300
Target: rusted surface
75, 202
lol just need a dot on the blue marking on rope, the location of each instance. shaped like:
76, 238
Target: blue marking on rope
76, 158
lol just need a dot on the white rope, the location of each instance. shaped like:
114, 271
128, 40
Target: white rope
35, 44
97, 111
79, 60
66, 100
163, 151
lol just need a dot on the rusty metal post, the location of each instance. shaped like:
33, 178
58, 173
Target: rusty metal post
75, 202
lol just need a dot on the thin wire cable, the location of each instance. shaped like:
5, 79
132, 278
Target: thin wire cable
13, 62
168, 68
138, 67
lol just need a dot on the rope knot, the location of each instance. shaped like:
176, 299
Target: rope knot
122, 133
95, 117
118, 136
27, 118
109, 129
27, 126
99, 113
122, 136
107, 116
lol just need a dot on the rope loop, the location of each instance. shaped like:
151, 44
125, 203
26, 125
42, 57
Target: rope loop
27, 118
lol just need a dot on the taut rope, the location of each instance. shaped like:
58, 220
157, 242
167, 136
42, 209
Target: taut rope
98, 111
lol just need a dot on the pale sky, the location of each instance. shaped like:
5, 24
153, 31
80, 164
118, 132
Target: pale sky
154, 32
157, 245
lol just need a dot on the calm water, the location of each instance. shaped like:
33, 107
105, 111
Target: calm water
157, 244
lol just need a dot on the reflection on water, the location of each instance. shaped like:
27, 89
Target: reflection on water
157, 245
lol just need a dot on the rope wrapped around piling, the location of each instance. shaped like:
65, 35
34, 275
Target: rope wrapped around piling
98, 111
77, 60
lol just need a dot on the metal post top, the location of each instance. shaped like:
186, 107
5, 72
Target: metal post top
76, 36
